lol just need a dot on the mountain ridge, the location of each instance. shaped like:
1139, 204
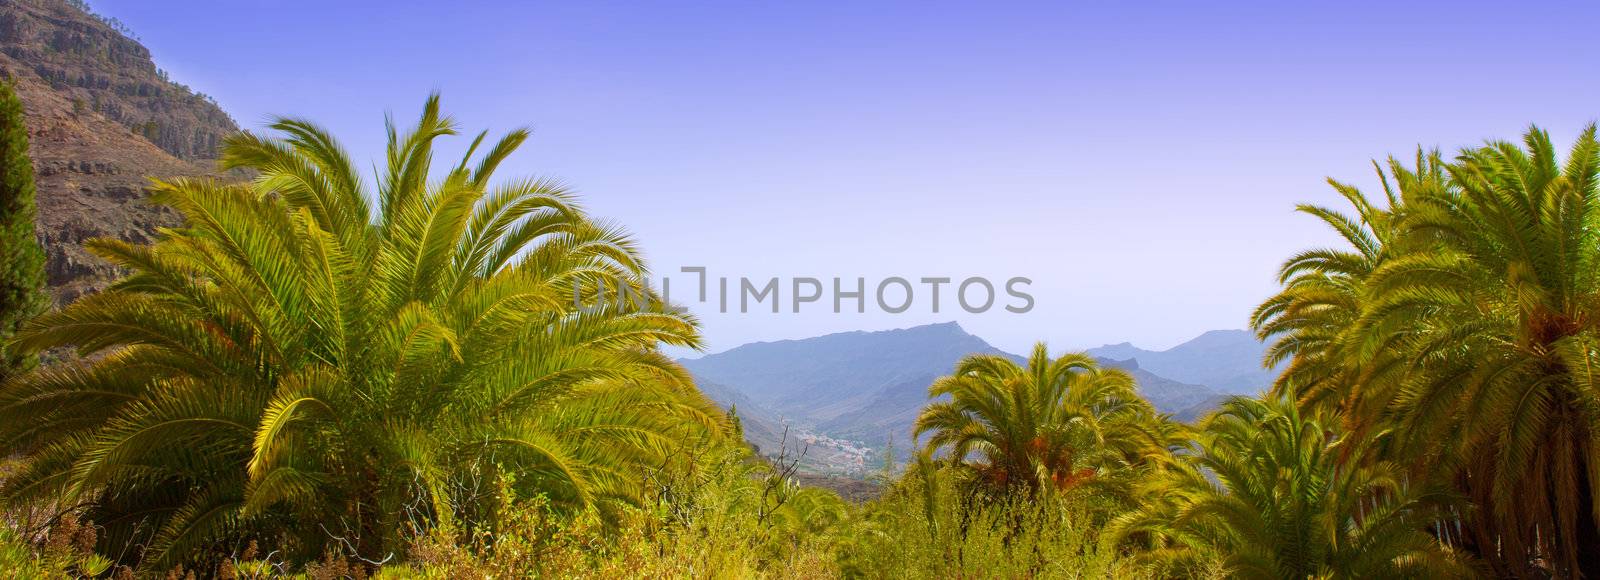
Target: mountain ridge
1225, 360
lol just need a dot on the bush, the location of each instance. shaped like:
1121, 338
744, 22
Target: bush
935, 524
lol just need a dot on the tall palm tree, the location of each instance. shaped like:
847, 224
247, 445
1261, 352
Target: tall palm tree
1461, 328
1054, 424
1270, 498
1503, 317
1314, 323
294, 359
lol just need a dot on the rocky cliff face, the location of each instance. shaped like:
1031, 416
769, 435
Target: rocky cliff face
101, 120
98, 69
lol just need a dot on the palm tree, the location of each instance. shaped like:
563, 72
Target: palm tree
1462, 328
1338, 362
1334, 363
1502, 312
1283, 505
1054, 424
292, 361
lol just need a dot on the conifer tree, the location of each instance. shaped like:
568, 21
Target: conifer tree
21, 259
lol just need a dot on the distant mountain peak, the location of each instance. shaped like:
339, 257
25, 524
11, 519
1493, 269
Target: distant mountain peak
1119, 351
1210, 336
1226, 336
936, 329
1226, 360
1128, 364
946, 327
951, 327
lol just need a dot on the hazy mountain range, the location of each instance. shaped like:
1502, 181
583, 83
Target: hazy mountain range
1225, 360
848, 391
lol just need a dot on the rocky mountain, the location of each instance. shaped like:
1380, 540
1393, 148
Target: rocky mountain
1225, 360
101, 118
96, 65
864, 387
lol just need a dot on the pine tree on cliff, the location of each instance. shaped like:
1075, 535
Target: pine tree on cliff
21, 260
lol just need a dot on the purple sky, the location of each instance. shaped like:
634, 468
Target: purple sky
1140, 164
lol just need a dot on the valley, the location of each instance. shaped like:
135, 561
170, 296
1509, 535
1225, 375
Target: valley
847, 398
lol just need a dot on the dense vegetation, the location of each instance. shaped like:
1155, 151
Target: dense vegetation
1457, 334
286, 365
21, 259
296, 381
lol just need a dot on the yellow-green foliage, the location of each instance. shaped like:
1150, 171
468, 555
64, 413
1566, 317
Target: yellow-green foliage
1057, 423
297, 367
934, 523
713, 511
1284, 505
1458, 324
708, 518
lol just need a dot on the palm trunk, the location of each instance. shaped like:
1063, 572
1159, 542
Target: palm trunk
1587, 539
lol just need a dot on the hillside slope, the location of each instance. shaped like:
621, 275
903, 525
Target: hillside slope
101, 118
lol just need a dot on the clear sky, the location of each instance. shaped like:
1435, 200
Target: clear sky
1139, 162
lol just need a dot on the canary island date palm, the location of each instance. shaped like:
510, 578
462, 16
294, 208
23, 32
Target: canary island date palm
293, 359
1270, 497
1501, 302
1056, 423
1334, 363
